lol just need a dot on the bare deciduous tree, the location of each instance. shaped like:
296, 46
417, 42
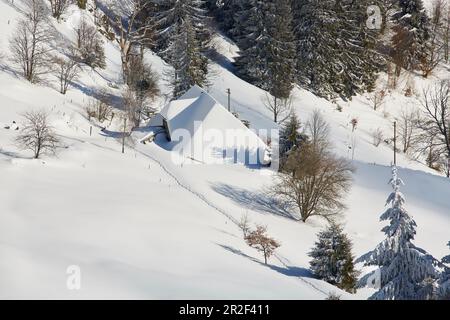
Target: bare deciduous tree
37, 135
318, 131
377, 98
90, 45
132, 107
29, 43
244, 224
67, 71
134, 29
143, 81
59, 7
430, 61
407, 127
280, 108
315, 182
446, 34
435, 123
259, 240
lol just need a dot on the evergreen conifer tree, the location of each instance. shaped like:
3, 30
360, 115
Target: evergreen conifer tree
333, 260
281, 58
290, 137
224, 12
251, 64
405, 270
183, 39
336, 52
267, 47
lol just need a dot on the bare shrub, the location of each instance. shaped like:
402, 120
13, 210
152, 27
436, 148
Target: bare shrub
59, 7
354, 123
377, 137
259, 240
37, 135
100, 108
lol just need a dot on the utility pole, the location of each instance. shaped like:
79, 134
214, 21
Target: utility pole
229, 99
123, 134
395, 143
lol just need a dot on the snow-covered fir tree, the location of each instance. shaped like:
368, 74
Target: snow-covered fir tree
281, 58
335, 50
444, 281
267, 47
251, 64
411, 34
361, 60
183, 39
406, 271
315, 30
224, 13
333, 260
240, 15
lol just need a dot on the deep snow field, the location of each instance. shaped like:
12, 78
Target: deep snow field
140, 226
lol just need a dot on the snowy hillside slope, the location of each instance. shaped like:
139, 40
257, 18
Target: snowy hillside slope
140, 226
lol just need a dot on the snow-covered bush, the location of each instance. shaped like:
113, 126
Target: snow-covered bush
333, 260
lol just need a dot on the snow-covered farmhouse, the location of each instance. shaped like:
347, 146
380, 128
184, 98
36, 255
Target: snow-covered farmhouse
201, 129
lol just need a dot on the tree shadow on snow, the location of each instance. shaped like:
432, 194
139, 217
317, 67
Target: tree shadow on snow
257, 201
289, 271
11, 154
113, 100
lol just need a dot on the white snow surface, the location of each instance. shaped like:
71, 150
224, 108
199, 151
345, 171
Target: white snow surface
141, 226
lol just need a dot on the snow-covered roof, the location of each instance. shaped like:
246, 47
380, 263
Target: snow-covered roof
199, 125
